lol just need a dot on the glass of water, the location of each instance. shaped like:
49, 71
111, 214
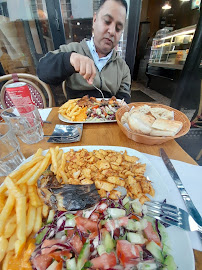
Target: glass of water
10, 154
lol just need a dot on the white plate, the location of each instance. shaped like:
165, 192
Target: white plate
179, 241
62, 118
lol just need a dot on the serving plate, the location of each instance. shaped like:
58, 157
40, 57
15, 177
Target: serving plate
63, 119
180, 244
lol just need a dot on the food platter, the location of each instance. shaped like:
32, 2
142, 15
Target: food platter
63, 119
179, 241
92, 121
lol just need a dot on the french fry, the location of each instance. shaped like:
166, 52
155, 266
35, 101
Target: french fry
38, 153
38, 220
64, 177
21, 218
3, 188
33, 196
2, 201
19, 245
23, 188
54, 160
26, 166
41, 169
10, 226
15, 190
45, 210
6, 260
59, 155
31, 216
6, 211
63, 162
11, 242
3, 247
29, 174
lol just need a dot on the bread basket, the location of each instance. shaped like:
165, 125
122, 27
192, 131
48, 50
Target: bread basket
151, 140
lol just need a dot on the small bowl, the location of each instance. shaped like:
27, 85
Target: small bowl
147, 139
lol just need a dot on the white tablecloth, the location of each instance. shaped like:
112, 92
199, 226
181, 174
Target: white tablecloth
191, 176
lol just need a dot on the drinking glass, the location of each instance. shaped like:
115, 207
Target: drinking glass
29, 130
10, 115
10, 154
26, 122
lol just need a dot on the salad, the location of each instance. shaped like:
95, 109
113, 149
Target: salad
112, 235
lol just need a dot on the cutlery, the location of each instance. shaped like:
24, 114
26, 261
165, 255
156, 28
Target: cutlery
47, 122
59, 136
98, 90
187, 200
172, 215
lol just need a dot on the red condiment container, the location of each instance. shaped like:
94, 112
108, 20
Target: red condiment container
20, 95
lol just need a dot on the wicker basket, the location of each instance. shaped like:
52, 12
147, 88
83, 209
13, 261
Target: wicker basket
151, 140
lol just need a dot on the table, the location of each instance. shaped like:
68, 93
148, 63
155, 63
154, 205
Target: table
110, 134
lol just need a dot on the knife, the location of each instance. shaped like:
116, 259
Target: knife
187, 200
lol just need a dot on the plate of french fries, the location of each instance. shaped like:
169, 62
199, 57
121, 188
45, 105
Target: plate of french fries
90, 110
110, 168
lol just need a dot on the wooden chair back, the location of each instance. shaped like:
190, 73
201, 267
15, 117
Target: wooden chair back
35, 85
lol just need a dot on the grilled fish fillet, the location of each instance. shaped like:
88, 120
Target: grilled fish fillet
66, 197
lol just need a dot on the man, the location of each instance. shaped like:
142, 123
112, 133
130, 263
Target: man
92, 61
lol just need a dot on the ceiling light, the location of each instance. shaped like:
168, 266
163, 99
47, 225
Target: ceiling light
166, 5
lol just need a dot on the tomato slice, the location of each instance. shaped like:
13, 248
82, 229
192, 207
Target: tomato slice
151, 235
86, 225
105, 261
42, 262
58, 255
127, 253
76, 243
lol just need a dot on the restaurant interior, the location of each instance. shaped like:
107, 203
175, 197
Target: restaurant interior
162, 45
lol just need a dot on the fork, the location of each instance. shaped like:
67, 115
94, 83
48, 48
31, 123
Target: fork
98, 90
172, 215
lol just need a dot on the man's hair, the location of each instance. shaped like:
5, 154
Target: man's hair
123, 2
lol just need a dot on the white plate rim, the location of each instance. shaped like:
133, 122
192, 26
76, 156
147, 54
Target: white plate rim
181, 247
63, 119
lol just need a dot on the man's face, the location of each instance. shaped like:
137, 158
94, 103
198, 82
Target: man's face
108, 26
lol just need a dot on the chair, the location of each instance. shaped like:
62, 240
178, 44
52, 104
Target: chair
64, 88
35, 86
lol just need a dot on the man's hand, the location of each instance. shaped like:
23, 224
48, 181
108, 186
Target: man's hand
84, 66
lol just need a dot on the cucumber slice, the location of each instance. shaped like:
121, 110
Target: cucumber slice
170, 263
71, 264
41, 235
50, 216
101, 249
125, 200
83, 256
164, 239
116, 212
155, 250
136, 238
107, 241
